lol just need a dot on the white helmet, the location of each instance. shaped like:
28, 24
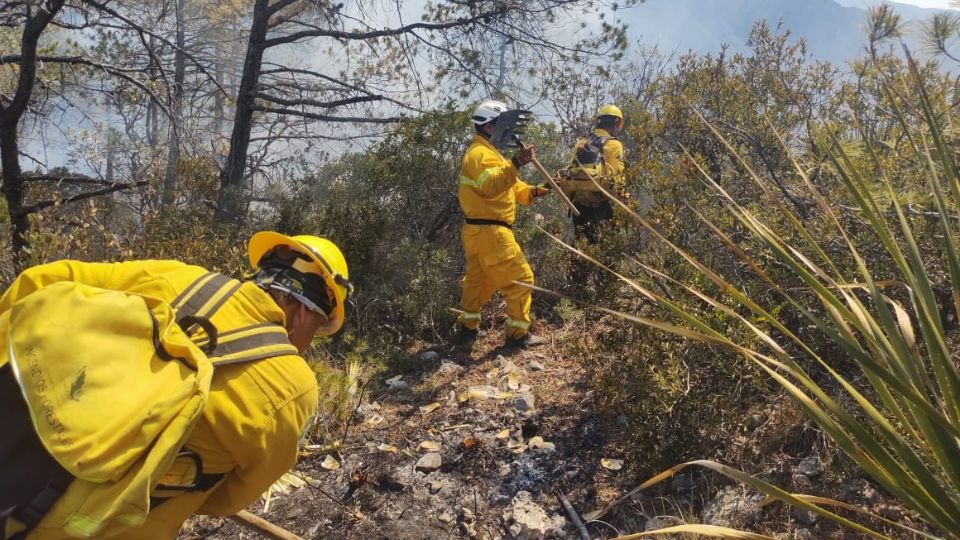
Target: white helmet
488, 111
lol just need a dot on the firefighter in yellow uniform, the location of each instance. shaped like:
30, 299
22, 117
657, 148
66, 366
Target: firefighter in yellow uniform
256, 413
598, 156
489, 192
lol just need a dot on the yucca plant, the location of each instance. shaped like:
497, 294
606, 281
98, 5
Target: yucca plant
895, 412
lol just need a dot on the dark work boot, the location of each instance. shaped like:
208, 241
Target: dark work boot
525, 341
465, 337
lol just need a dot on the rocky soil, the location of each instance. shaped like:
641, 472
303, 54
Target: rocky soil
484, 445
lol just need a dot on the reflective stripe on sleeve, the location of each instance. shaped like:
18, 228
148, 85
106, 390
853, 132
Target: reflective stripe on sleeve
464, 179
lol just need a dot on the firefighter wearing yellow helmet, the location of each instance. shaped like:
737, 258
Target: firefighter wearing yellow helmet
489, 191
598, 156
261, 397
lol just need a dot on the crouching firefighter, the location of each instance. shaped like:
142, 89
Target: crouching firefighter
136, 394
599, 157
489, 192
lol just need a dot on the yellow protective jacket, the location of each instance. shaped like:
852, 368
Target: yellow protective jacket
612, 174
489, 185
255, 414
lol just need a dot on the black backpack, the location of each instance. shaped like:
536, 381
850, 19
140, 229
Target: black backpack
589, 156
591, 153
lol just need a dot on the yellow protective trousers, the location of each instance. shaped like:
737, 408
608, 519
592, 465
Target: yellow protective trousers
494, 262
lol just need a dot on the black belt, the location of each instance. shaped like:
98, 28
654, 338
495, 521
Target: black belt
474, 221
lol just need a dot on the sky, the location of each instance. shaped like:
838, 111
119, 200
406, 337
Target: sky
928, 3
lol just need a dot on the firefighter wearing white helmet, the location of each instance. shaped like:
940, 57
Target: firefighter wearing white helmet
489, 191
598, 156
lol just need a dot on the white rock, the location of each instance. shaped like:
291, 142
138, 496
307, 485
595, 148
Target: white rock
524, 401
803, 516
755, 420
468, 529
538, 444
801, 481
658, 523
447, 367
398, 384
810, 467
429, 462
429, 356
730, 507
529, 521
535, 366
445, 517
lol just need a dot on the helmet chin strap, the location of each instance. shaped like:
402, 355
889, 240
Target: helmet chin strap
308, 289
307, 303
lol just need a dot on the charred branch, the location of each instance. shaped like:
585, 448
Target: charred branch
116, 186
329, 118
387, 32
319, 104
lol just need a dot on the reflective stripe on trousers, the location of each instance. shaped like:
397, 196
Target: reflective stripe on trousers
469, 320
521, 325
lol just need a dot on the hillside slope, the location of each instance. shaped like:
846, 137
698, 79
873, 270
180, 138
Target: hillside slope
507, 432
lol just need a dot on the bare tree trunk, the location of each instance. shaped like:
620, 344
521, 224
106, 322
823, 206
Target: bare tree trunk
230, 203
153, 116
219, 98
176, 109
10, 118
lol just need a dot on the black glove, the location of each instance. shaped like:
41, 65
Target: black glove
524, 156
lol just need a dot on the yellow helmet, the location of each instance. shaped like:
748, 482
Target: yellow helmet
609, 110
323, 258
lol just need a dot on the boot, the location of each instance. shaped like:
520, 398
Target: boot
525, 341
466, 337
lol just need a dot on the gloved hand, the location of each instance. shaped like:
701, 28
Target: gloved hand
524, 156
540, 190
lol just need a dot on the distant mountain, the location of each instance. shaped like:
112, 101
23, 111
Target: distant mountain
834, 29
906, 11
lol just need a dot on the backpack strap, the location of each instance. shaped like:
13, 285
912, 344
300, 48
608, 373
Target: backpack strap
201, 482
207, 294
251, 343
192, 298
202, 298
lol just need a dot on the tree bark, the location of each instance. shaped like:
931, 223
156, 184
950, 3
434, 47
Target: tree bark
10, 119
153, 115
230, 203
176, 110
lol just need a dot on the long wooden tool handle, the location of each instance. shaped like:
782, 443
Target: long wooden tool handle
549, 179
263, 526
